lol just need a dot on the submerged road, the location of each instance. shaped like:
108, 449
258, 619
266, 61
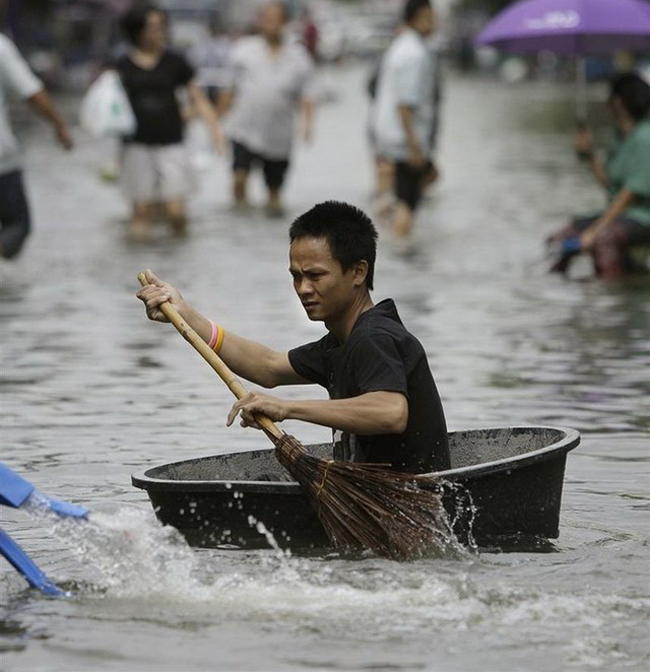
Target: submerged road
92, 391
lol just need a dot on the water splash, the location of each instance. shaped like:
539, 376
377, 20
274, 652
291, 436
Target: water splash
149, 569
464, 515
280, 553
133, 554
129, 547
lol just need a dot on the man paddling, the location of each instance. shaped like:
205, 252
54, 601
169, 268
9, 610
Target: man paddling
384, 406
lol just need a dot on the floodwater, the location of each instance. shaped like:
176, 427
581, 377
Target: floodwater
92, 391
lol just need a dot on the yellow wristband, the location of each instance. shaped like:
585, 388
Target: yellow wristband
219, 342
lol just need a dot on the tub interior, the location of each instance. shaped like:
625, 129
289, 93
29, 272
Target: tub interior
467, 448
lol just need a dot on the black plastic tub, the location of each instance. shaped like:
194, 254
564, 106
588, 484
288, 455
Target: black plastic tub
505, 484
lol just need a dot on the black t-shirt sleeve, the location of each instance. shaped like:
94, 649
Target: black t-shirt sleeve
310, 362
378, 366
184, 71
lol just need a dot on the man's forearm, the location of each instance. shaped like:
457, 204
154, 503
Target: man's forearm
621, 202
307, 107
371, 413
44, 105
406, 119
204, 108
224, 101
598, 169
250, 360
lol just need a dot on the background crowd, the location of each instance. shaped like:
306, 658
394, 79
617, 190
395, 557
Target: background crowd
253, 80
92, 392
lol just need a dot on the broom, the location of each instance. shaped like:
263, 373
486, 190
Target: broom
362, 506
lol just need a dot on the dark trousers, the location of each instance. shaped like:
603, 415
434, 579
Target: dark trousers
409, 182
274, 170
14, 214
610, 251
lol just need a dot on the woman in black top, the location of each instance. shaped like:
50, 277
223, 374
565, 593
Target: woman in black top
155, 165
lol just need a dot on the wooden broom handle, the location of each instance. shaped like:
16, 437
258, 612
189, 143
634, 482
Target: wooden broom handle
211, 358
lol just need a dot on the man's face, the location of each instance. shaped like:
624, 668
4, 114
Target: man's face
271, 21
424, 22
324, 290
616, 107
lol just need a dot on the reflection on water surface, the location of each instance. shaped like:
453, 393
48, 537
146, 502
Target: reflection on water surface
92, 392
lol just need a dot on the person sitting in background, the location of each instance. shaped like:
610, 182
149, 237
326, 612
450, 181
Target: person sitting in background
625, 174
16, 79
155, 163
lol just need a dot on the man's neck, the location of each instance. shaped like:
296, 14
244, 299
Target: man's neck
342, 327
627, 125
274, 42
415, 31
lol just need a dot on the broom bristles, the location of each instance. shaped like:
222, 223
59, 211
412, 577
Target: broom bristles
369, 507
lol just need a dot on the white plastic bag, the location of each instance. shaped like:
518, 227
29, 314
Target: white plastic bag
105, 109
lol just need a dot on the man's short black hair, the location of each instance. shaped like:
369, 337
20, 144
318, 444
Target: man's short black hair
412, 7
134, 21
634, 93
349, 232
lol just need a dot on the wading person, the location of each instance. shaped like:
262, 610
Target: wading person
270, 76
155, 167
18, 81
625, 175
404, 110
384, 406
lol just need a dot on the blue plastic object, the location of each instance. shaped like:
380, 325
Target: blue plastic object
26, 566
61, 508
15, 491
65, 509
570, 245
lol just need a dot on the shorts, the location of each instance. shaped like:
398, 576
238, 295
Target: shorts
14, 213
274, 170
156, 173
408, 182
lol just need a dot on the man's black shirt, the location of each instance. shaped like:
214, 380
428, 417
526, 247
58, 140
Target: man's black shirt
381, 355
152, 94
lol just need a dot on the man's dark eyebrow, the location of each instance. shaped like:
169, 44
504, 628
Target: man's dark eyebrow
312, 269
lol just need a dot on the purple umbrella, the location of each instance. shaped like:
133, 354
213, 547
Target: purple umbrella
578, 27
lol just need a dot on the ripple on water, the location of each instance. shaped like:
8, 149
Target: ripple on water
90, 387
145, 569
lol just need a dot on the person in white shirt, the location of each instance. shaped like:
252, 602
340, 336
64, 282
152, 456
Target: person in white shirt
404, 112
270, 76
18, 81
210, 58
